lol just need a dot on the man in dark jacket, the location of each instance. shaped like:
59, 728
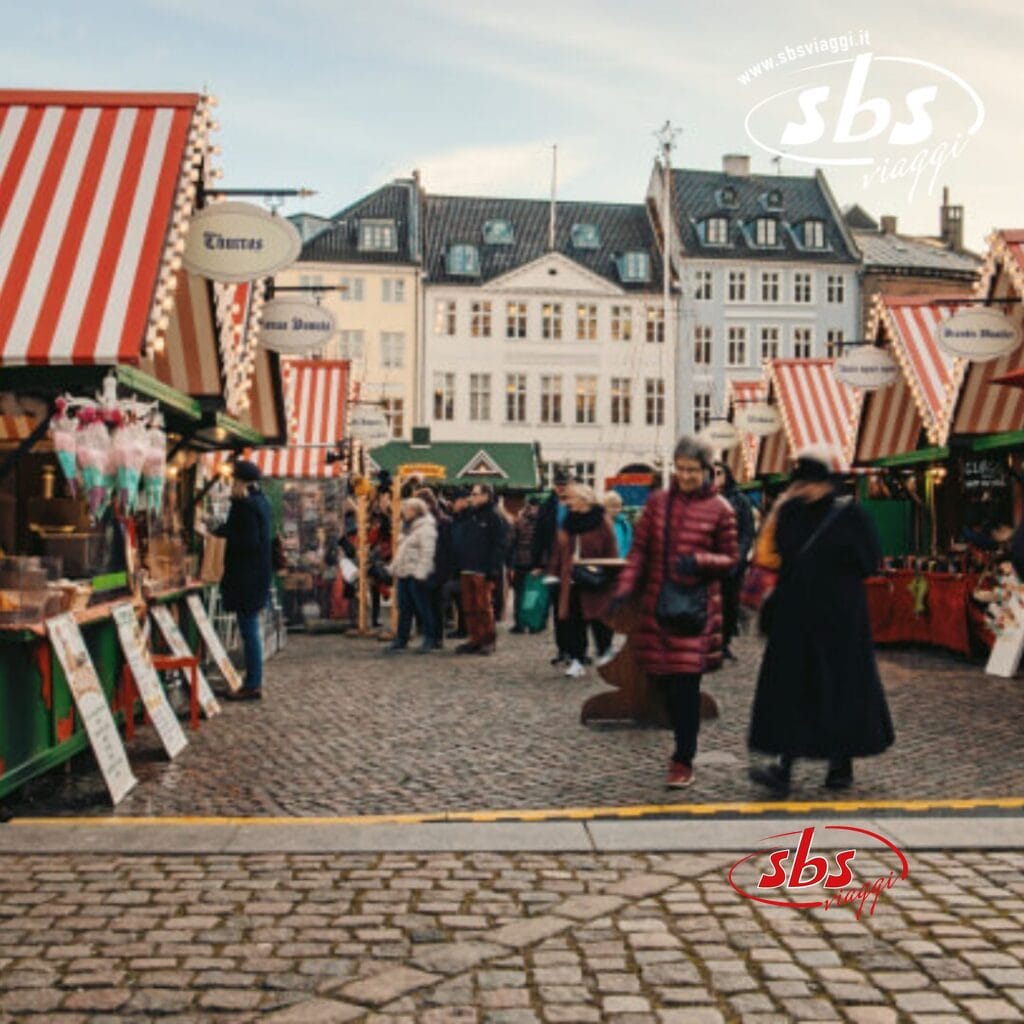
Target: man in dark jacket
550, 518
248, 569
725, 482
480, 561
461, 511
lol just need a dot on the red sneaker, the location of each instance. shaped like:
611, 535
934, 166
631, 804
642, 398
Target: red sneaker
679, 775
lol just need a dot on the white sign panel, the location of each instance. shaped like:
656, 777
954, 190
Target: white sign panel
1006, 619
867, 368
720, 434
92, 705
239, 242
178, 646
369, 425
147, 681
212, 641
978, 334
294, 326
759, 419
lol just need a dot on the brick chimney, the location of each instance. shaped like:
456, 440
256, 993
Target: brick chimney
951, 224
736, 165
887, 224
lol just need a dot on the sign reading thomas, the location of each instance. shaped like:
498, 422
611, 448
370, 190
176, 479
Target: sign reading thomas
237, 242
295, 326
979, 335
720, 434
759, 419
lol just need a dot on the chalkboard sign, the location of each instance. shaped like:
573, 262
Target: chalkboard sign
985, 474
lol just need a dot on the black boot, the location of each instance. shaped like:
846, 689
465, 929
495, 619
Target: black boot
840, 773
776, 776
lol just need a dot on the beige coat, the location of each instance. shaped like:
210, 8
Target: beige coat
415, 555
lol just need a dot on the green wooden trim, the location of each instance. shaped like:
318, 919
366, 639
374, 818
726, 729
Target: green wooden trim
914, 458
44, 761
167, 396
992, 442
245, 433
111, 581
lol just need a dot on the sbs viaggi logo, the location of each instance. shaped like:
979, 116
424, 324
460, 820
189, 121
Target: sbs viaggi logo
788, 874
896, 118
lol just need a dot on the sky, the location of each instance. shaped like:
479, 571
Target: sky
342, 96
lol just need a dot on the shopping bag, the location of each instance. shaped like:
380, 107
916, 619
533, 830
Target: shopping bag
213, 559
533, 610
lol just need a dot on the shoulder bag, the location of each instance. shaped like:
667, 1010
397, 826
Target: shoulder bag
681, 609
588, 577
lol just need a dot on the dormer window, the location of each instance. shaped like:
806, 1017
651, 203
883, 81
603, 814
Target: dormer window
498, 232
766, 231
772, 200
463, 260
634, 266
726, 198
585, 236
377, 236
716, 231
814, 234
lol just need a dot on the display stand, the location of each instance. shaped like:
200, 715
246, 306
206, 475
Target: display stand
1007, 651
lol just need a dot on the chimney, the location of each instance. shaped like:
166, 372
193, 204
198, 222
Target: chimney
736, 165
888, 224
951, 224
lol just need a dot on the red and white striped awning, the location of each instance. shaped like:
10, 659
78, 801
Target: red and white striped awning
743, 458
319, 406
266, 411
16, 427
95, 190
889, 423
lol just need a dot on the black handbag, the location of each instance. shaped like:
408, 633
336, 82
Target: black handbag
680, 609
589, 577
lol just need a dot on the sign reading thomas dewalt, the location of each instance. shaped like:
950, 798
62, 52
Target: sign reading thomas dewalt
213, 644
73, 655
179, 647
147, 681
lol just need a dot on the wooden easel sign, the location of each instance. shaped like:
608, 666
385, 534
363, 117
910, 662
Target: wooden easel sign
1007, 619
212, 641
179, 646
84, 684
147, 681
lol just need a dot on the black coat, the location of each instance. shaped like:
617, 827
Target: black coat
479, 541
744, 525
818, 691
546, 532
443, 557
245, 585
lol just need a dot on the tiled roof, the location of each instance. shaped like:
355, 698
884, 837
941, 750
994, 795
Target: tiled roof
909, 253
454, 220
696, 195
340, 243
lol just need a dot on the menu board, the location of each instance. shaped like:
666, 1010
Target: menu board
985, 474
212, 641
93, 709
178, 646
147, 681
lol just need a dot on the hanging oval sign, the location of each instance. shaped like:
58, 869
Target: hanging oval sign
295, 326
238, 242
759, 419
369, 425
720, 434
867, 368
978, 334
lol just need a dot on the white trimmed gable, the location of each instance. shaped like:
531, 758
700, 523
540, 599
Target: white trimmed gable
554, 273
482, 464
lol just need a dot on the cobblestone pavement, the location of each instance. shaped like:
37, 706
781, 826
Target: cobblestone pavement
343, 730
496, 939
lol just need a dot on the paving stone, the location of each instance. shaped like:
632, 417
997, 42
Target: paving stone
991, 1009
924, 1002
387, 985
453, 957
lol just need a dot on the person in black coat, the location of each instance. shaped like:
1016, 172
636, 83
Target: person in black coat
480, 542
733, 583
818, 693
248, 570
550, 519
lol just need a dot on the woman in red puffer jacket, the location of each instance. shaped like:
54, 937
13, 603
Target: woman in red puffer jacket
701, 549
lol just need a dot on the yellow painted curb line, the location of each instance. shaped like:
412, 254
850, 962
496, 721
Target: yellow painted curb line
552, 814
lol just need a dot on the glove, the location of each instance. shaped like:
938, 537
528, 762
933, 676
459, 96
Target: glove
686, 565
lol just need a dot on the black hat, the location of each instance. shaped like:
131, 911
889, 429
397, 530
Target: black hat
816, 463
247, 471
562, 476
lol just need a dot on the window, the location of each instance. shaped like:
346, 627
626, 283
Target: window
736, 349
655, 324
551, 399
634, 266
585, 236
716, 231
444, 317
802, 343
702, 345
622, 388
392, 349
701, 409
769, 343
444, 396
551, 321
622, 323
654, 395
834, 344
770, 286
703, 289
586, 399
801, 287
835, 291
377, 236
515, 320
394, 409
586, 472
480, 320
814, 234
737, 286
498, 232
515, 398
726, 197
310, 280
392, 289
766, 231
586, 323
480, 396
351, 289
463, 260
351, 345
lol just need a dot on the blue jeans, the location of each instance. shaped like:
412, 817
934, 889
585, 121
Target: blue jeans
414, 598
252, 645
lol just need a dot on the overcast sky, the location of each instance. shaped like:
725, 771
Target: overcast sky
342, 96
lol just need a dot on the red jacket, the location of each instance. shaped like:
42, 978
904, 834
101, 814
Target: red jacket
703, 525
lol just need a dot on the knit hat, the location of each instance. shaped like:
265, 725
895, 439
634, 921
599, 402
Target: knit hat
817, 463
247, 471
